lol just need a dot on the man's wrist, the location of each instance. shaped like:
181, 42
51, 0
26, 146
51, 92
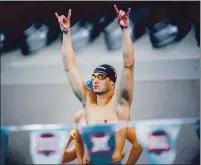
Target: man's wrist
65, 31
125, 28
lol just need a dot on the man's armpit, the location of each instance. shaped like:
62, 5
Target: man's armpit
125, 96
78, 86
80, 96
122, 97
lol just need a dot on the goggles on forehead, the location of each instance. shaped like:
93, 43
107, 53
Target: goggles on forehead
99, 76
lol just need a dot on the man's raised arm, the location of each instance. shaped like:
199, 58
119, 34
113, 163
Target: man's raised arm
69, 59
125, 91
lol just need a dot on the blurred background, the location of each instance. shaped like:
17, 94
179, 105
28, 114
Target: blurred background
34, 85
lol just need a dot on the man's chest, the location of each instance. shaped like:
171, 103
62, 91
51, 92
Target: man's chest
106, 114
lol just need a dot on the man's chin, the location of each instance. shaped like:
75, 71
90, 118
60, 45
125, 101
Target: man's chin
98, 92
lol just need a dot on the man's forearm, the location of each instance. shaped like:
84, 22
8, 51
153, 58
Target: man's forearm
79, 145
69, 58
128, 50
135, 153
69, 155
79, 152
69, 141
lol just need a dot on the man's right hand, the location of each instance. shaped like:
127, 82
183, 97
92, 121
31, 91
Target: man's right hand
64, 22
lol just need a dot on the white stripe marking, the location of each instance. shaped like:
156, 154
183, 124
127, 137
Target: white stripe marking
101, 72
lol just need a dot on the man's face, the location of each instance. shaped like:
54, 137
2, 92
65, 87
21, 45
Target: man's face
101, 83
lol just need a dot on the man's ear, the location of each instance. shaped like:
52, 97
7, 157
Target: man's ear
112, 82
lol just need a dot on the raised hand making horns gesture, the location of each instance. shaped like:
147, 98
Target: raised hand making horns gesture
123, 18
64, 22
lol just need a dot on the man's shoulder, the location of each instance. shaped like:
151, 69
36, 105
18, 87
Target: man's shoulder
121, 100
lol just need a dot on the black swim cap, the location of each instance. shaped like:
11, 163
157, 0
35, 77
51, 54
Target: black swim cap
107, 70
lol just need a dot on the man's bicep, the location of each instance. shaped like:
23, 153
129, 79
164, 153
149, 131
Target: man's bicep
77, 84
126, 85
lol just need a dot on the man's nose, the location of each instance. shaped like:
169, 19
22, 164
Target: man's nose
96, 80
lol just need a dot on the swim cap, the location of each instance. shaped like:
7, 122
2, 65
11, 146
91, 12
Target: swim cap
107, 70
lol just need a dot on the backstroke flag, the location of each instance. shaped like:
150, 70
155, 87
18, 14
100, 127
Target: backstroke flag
159, 141
48, 146
100, 142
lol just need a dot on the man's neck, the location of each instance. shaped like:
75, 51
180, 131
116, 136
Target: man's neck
104, 98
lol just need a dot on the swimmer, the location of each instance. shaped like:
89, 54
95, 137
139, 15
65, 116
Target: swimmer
103, 102
136, 150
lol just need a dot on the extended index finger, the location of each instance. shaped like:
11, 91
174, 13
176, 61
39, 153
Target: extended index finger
69, 13
116, 9
57, 15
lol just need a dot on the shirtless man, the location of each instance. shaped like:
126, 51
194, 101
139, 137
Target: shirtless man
103, 102
70, 154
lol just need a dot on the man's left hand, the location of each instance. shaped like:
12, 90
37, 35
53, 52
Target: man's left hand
123, 18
